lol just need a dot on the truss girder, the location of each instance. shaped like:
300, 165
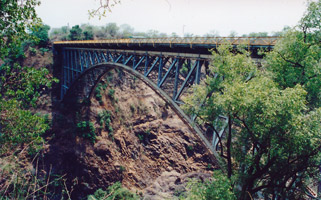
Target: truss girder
172, 73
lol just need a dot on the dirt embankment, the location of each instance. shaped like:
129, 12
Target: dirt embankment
143, 141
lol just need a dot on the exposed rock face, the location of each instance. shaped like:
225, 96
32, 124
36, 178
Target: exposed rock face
148, 140
169, 185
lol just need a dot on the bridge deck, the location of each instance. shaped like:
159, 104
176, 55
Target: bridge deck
191, 42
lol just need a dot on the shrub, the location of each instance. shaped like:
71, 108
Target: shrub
40, 34
144, 136
218, 188
122, 169
98, 95
18, 126
114, 192
86, 130
111, 93
104, 119
43, 50
33, 51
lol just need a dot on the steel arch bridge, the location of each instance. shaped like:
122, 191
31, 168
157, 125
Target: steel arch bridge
168, 65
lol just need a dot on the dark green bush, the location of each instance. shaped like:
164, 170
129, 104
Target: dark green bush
86, 130
111, 93
40, 34
104, 119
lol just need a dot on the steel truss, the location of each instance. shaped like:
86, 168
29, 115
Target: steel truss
162, 68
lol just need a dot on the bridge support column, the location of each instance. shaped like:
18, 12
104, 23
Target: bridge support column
178, 67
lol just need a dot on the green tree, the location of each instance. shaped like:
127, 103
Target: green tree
88, 35
112, 30
16, 18
126, 30
272, 142
41, 35
296, 56
75, 33
20, 86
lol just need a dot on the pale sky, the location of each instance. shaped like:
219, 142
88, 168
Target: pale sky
189, 16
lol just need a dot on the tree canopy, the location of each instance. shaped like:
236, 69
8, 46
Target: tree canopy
272, 141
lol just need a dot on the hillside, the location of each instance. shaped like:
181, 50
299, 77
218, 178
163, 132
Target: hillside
142, 139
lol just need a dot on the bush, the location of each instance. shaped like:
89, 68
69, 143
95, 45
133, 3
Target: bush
40, 34
98, 95
216, 189
33, 51
18, 126
86, 130
105, 120
43, 50
75, 33
111, 93
114, 192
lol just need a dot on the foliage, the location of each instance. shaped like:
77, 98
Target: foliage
217, 189
58, 34
97, 92
272, 141
104, 118
40, 34
88, 32
144, 136
111, 93
86, 130
75, 33
256, 34
109, 31
43, 50
33, 51
296, 56
24, 84
18, 126
16, 18
113, 192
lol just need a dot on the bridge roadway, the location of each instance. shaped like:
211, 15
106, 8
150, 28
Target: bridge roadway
168, 65
198, 45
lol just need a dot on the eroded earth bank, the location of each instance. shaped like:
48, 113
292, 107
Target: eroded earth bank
125, 133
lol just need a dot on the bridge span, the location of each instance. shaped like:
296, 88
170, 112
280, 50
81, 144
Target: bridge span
169, 65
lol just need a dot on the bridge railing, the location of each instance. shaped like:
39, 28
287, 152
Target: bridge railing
259, 41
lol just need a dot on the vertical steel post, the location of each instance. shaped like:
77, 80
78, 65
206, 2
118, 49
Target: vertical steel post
124, 57
107, 56
87, 59
160, 70
68, 68
81, 59
134, 61
198, 72
72, 66
178, 66
62, 88
146, 63
76, 63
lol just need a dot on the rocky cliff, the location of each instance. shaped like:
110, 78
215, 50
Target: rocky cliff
139, 138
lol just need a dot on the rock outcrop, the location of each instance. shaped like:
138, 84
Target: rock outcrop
145, 140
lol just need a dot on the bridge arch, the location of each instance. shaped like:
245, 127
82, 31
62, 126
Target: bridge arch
106, 67
157, 62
